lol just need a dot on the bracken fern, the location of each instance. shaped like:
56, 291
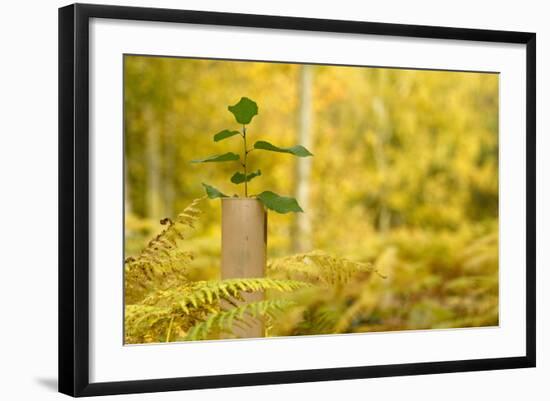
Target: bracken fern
162, 263
162, 304
223, 321
318, 267
176, 310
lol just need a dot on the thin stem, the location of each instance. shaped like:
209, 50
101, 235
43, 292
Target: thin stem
244, 164
170, 329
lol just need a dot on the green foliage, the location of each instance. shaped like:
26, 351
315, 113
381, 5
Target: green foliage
410, 281
226, 157
278, 203
222, 322
239, 178
198, 294
405, 180
297, 150
183, 307
225, 134
163, 304
212, 192
402, 148
244, 111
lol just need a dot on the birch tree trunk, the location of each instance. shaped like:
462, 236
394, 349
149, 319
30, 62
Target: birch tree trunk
382, 137
301, 232
152, 156
170, 168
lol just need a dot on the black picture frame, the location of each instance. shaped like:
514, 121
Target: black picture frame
74, 193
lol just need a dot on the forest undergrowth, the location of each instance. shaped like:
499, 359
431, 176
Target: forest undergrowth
406, 280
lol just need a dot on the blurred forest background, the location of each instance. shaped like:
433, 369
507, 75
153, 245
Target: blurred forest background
405, 178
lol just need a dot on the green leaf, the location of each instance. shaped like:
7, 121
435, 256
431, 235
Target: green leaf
297, 150
226, 157
280, 204
225, 134
212, 192
244, 110
239, 178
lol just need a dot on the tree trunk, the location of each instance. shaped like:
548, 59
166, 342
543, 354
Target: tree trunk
152, 156
169, 146
301, 232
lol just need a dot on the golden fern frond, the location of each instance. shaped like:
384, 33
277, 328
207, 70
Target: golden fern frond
161, 263
318, 267
147, 323
207, 294
223, 321
141, 321
183, 306
159, 250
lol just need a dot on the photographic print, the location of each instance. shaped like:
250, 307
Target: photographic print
277, 199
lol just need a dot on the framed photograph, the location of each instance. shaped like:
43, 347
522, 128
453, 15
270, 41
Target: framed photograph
251, 199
